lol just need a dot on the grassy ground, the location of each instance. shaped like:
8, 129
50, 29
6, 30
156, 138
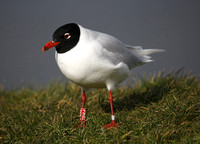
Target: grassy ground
161, 109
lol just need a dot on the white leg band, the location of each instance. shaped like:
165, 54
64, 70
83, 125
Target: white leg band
113, 117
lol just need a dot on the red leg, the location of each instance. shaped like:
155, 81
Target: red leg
82, 111
83, 99
112, 124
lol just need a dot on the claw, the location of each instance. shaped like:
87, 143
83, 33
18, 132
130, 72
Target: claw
111, 125
81, 124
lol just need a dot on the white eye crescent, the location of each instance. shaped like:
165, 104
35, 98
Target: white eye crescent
67, 36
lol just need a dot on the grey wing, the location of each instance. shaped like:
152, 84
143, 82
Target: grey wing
117, 52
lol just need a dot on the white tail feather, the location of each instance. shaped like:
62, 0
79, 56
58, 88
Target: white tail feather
144, 53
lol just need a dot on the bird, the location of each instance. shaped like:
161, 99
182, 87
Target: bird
93, 59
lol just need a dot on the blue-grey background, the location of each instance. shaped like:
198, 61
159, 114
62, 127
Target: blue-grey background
25, 26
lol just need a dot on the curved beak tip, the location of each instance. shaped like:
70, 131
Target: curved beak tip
44, 49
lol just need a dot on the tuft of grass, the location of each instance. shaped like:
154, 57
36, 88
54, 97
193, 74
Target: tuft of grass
161, 109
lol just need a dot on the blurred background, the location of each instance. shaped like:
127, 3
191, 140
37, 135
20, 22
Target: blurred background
25, 26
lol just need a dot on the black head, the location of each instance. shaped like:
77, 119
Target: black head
68, 36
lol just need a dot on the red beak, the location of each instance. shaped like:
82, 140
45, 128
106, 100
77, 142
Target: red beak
49, 45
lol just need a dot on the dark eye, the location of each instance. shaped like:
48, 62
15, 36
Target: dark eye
67, 36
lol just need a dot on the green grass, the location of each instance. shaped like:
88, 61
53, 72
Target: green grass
161, 109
